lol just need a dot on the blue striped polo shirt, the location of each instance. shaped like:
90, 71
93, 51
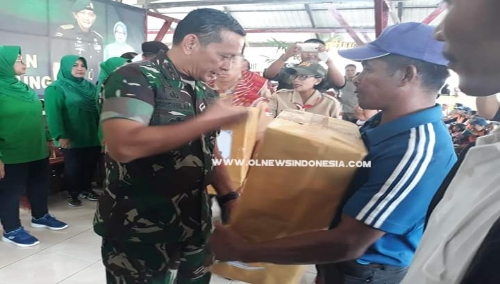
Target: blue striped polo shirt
410, 157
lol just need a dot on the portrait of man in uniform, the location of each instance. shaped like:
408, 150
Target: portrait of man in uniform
80, 38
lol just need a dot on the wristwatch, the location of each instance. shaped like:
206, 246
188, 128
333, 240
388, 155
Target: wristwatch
228, 197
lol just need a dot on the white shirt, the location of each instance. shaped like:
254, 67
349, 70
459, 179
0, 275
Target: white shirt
462, 219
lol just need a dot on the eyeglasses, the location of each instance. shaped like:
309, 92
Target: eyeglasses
20, 60
302, 77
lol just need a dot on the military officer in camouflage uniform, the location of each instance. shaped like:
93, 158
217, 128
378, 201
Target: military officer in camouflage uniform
160, 123
83, 40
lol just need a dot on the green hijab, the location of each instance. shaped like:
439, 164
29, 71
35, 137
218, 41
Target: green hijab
9, 84
108, 67
76, 90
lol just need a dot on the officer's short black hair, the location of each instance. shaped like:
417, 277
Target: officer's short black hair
351, 65
207, 24
315, 40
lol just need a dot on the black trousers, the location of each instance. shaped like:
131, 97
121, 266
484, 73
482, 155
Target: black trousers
31, 179
351, 272
80, 165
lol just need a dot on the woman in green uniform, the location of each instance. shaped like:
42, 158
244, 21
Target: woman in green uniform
24, 153
73, 119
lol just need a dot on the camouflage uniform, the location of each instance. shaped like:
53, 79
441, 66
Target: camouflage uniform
155, 211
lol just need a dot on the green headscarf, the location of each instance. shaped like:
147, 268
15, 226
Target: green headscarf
76, 90
108, 67
9, 84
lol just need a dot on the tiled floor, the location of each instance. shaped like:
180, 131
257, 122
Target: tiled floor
71, 256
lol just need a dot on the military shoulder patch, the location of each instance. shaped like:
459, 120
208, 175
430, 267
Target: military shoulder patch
67, 27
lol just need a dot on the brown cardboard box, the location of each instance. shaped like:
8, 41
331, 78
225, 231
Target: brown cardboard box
282, 201
237, 142
260, 273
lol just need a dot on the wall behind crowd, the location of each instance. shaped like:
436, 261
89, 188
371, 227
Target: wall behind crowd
36, 26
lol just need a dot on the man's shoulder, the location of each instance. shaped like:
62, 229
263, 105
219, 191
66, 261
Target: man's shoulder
133, 74
64, 29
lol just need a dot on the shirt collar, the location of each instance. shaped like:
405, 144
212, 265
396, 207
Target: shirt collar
373, 133
297, 99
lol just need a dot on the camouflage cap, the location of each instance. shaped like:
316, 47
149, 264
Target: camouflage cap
308, 68
83, 5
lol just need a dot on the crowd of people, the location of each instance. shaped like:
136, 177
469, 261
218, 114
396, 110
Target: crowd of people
466, 126
420, 214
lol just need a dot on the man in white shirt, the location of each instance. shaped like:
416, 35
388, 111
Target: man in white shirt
461, 243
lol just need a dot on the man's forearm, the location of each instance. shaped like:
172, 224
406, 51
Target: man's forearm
487, 107
311, 248
274, 69
334, 76
141, 142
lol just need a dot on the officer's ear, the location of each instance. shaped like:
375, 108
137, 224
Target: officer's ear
190, 43
74, 15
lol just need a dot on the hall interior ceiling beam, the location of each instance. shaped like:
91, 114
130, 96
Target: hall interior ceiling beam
442, 7
381, 16
292, 30
196, 3
340, 19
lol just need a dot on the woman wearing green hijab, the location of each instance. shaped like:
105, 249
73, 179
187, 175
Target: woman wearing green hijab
24, 153
73, 119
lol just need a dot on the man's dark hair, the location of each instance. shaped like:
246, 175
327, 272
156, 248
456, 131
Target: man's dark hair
315, 40
350, 65
433, 75
207, 24
129, 55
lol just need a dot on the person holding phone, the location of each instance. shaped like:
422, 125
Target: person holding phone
277, 70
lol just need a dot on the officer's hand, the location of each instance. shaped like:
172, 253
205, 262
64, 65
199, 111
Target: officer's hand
225, 113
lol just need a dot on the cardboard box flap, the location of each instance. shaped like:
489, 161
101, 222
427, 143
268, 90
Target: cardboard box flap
325, 129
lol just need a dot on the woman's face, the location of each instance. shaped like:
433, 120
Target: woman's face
19, 66
304, 83
120, 34
79, 69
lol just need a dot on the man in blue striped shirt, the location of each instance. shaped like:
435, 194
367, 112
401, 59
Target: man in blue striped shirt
375, 235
